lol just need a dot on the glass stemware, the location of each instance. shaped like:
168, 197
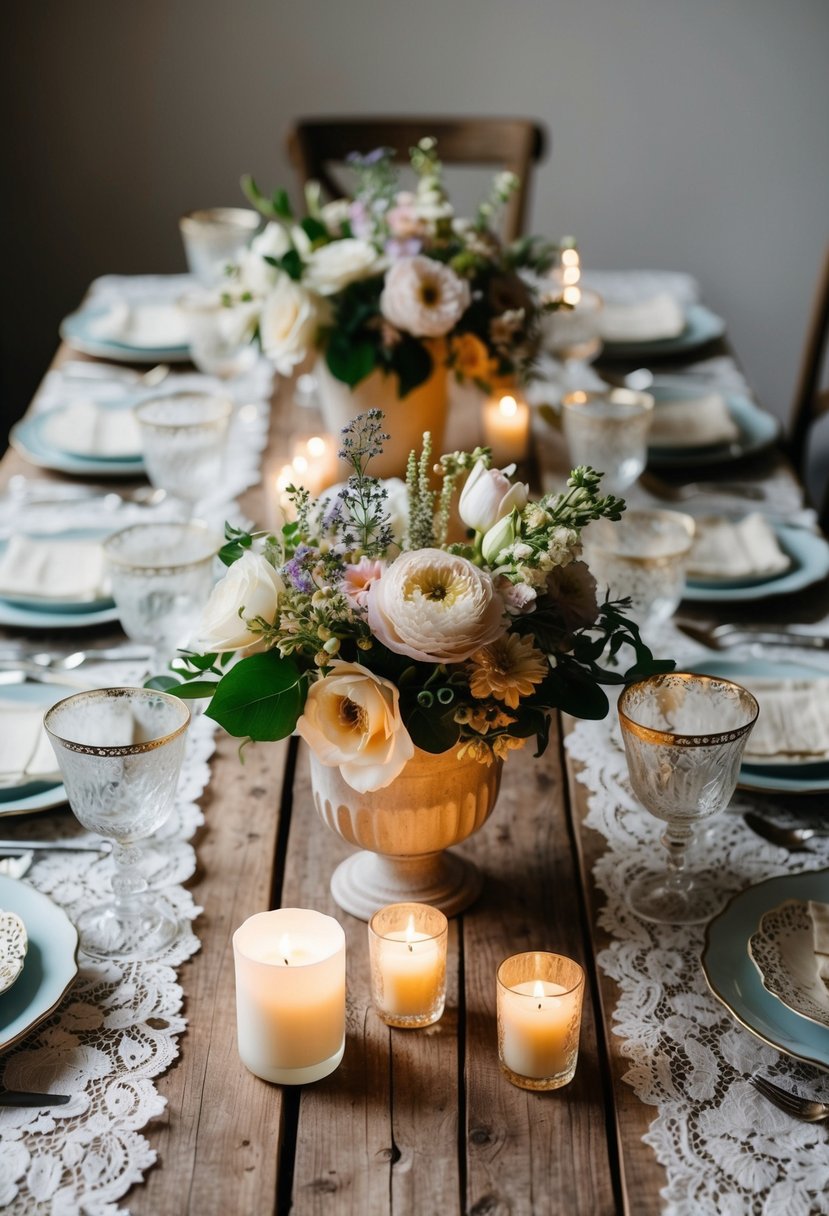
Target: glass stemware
120, 752
219, 336
161, 575
572, 335
214, 237
183, 439
609, 432
684, 736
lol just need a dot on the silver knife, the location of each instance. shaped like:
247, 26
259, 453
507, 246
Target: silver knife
16, 1097
8, 847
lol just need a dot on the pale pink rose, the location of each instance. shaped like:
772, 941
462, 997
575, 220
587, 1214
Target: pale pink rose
519, 598
358, 578
423, 297
352, 721
402, 219
435, 607
489, 495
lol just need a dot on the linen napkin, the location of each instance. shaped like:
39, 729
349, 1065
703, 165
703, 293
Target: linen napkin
85, 428
820, 937
649, 320
69, 571
793, 726
692, 422
25, 751
728, 550
146, 324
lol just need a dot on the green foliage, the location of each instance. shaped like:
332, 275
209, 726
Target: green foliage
411, 363
260, 698
349, 360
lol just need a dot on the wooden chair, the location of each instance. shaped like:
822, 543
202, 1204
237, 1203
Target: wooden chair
809, 401
509, 143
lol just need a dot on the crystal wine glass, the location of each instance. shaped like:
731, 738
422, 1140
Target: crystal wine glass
183, 439
120, 752
684, 736
609, 432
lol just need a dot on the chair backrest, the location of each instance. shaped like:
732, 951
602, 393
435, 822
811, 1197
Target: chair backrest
809, 402
509, 143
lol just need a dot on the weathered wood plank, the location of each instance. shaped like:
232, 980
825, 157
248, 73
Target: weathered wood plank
529, 1154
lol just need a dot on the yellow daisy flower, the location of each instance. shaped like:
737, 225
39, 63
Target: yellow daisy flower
507, 669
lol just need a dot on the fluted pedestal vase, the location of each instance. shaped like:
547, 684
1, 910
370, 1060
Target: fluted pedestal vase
404, 831
406, 418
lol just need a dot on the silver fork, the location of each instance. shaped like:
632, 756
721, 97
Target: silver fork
805, 1109
48, 661
720, 637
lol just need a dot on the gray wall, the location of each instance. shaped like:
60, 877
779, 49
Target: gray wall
687, 133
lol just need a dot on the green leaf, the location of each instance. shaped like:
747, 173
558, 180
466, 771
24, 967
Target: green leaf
314, 229
291, 263
194, 689
233, 550
350, 362
162, 683
282, 204
430, 731
261, 697
412, 363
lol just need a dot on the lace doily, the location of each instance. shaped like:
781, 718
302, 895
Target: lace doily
119, 1026
725, 1149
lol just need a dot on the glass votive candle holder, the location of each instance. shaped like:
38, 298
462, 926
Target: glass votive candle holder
609, 432
539, 1018
290, 995
214, 237
407, 948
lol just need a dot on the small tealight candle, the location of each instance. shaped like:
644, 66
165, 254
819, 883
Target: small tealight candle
407, 947
290, 995
315, 463
539, 1017
506, 429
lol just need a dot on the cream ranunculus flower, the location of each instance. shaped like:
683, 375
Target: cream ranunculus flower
352, 720
251, 588
332, 267
489, 495
424, 297
435, 607
289, 323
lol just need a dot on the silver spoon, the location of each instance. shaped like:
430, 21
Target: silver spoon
805, 1109
794, 839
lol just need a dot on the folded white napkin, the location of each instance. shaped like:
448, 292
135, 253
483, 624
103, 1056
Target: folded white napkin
820, 937
71, 571
793, 726
648, 320
145, 324
692, 422
25, 751
726, 549
84, 428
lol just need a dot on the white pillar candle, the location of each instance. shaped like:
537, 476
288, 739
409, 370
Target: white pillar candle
506, 429
408, 963
290, 995
539, 1016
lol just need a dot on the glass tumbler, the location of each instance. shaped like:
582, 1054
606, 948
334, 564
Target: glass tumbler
183, 438
120, 752
539, 997
215, 237
642, 556
609, 432
219, 335
407, 948
161, 576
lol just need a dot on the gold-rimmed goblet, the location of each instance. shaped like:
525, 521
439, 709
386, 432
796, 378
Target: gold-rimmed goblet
608, 431
183, 439
684, 736
120, 752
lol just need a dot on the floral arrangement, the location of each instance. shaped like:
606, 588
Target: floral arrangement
393, 280
369, 632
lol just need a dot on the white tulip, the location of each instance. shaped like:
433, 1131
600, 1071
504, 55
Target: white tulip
489, 495
250, 589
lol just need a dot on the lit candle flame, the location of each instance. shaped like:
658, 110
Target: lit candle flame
300, 465
508, 407
571, 295
410, 932
316, 446
285, 947
538, 992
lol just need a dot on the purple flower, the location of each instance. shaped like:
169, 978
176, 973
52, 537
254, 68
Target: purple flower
361, 222
403, 249
296, 571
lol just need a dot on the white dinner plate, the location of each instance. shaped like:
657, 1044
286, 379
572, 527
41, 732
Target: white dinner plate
758, 430
81, 329
734, 980
701, 326
809, 557
29, 438
51, 961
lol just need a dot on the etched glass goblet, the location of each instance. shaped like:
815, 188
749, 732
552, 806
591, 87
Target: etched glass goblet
183, 438
120, 752
609, 432
684, 736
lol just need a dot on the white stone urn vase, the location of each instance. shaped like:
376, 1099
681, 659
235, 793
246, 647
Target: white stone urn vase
404, 831
406, 418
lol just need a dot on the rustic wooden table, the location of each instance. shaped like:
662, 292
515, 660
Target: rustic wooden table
412, 1123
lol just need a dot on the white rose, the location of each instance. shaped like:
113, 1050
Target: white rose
332, 267
255, 274
435, 607
289, 323
335, 214
352, 720
273, 241
489, 495
251, 588
423, 297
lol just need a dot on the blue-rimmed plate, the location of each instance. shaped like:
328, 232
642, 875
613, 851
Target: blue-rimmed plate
84, 330
30, 440
701, 326
757, 430
33, 795
770, 778
33, 603
51, 961
809, 556
735, 981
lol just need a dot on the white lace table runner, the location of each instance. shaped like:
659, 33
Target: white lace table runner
726, 1150
119, 1026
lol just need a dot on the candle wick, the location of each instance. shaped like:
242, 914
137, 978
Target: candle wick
409, 944
539, 1004
287, 964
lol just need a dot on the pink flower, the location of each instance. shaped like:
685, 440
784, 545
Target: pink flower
402, 219
423, 297
358, 578
519, 598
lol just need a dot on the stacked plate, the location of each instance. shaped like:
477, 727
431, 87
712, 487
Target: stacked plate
760, 961
54, 581
657, 328
750, 558
696, 426
29, 780
145, 331
84, 437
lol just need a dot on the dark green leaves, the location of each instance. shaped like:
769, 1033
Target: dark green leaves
277, 207
349, 360
431, 730
412, 363
261, 698
290, 262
